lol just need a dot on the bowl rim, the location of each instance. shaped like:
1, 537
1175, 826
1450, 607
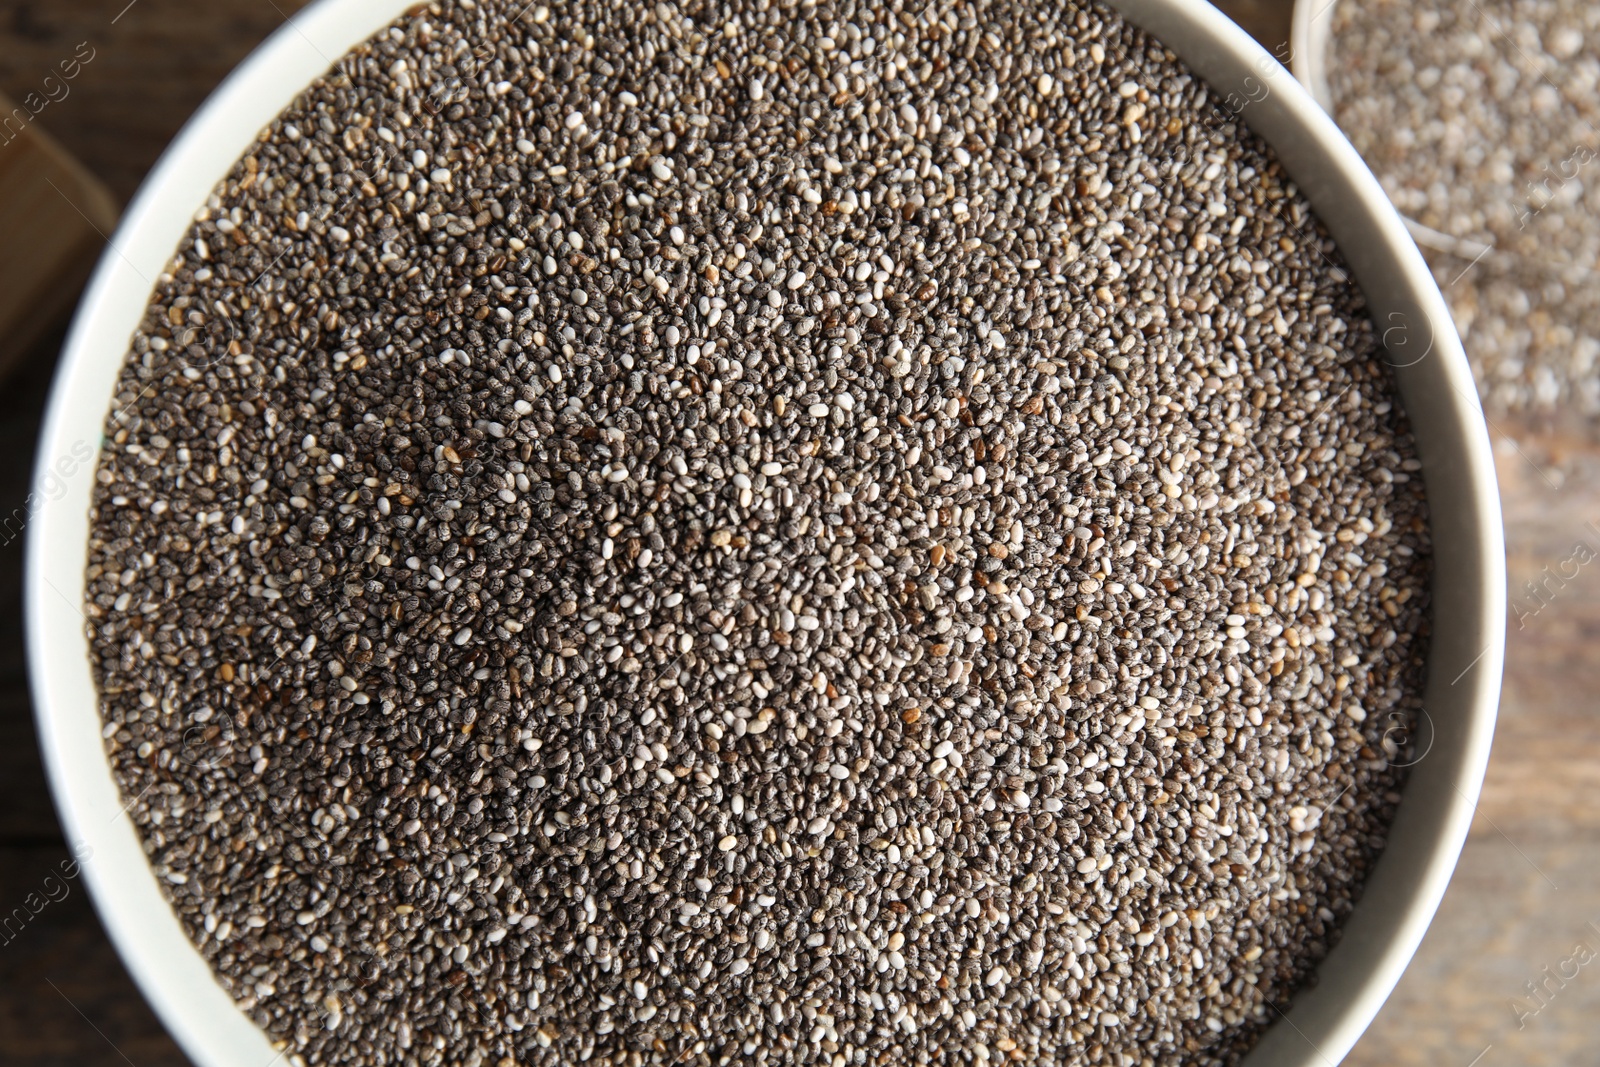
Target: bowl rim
1325, 1020
1310, 26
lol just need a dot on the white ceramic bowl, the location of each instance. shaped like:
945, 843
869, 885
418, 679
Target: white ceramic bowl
1468, 596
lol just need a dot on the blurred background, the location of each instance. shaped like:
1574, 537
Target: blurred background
1474, 114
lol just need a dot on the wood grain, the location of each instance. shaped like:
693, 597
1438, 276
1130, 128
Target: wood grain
55, 216
1528, 884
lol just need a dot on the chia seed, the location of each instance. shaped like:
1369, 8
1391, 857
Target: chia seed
764, 534
1481, 123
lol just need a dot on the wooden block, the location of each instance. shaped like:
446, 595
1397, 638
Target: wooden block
55, 217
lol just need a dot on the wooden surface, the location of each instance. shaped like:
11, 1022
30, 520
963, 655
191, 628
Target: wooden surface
55, 216
1529, 880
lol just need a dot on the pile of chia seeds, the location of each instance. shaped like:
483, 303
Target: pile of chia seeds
760, 533
1481, 120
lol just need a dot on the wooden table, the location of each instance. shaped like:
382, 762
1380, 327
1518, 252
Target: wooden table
1529, 880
